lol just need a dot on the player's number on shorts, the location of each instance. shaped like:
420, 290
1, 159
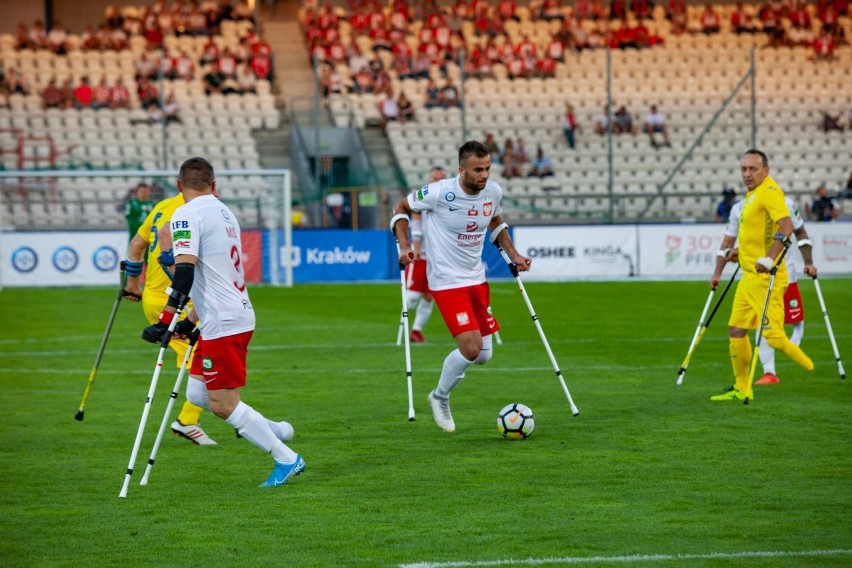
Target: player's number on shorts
238, 266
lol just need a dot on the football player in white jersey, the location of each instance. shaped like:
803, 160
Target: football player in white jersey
208, 267
458, 212
415, 273
794, 312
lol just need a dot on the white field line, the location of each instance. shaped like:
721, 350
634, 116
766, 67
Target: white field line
629, 559
13, 347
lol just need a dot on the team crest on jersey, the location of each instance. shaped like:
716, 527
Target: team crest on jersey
486, 208
451, 196
462, 318
207, 363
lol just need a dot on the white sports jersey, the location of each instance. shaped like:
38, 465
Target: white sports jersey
733, 227
454, 230
209, 231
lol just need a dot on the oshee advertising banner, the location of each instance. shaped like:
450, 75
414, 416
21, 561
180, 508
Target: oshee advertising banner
62, 259
565, 253
333, 255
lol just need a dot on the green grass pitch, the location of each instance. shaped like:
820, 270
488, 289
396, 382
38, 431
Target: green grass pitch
647, 468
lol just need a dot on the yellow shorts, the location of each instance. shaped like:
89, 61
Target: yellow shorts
750, 299
152, 305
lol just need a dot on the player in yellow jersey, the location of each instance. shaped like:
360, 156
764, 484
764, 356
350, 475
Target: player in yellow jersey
765, 229
155, 236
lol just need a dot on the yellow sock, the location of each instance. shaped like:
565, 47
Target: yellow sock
740, 348
190, 413
795, 353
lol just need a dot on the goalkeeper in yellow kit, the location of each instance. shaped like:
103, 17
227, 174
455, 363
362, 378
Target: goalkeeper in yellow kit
155, 236
765, 229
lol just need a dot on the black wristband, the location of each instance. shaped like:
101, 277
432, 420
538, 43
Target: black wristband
182, 283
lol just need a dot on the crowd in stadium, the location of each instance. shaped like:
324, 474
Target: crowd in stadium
227, 70
411, 37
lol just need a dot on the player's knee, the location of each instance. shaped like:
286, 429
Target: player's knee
776, 340
483, 357
196, 393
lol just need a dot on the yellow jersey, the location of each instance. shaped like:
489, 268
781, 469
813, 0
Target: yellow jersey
762, 208
156, 279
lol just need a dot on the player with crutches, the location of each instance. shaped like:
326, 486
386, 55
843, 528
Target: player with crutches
122, 293
794, 312
154, 236
458, 213
756, 303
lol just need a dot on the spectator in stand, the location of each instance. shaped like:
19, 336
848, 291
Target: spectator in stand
491, 145
510, 160
22, 37
261, 65
196, 23
153, 37
119, 95
83, 94
742, 20
770, 18
209, 52
450, 95
228, 64
146, 67
388, 109
101, 95
822, 208
604, 122
723, 210
149, 96
623, 122
52, 96
655, 123
67, 93
364, 81
183, 66
824, 46
541, 166
246, 80
831, 122
89, 39
17, 83
710, 21
677, 16
57, 39
38, 36
521, 151
406, 109
570, 126
213, 80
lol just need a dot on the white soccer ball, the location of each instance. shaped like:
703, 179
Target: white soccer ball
516, 421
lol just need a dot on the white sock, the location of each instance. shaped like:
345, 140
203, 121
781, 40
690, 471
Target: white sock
798, 333
424, 310
255, 428
196, 393
767, 357
411, 299
453, 371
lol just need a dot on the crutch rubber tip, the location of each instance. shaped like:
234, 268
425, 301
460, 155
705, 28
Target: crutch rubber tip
79, 415
576, 414
411, 419
745, 401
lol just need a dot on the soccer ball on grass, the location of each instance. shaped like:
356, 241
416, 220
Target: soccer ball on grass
516, 421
